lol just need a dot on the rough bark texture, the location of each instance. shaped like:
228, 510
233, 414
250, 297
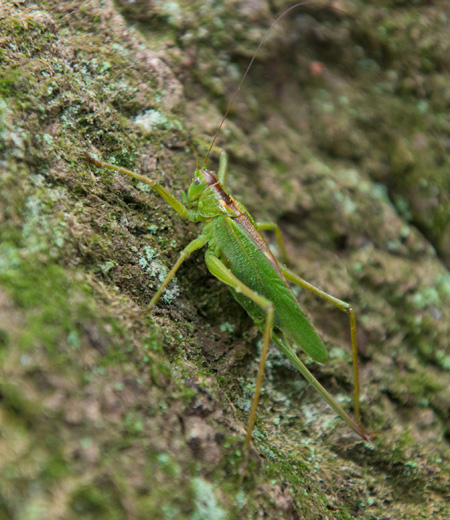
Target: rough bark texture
341, 135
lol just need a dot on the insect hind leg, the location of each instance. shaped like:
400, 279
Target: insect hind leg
344, 307
220, 271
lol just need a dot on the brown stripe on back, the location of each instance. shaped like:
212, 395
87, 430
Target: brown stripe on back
223, 195
246, 223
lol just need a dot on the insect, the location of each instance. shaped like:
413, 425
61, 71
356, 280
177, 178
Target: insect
237, 254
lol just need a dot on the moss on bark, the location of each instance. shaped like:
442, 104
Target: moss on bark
340, 135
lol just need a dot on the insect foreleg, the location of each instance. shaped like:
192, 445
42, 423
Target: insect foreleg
271, 226
347, 308
166, 195
223, 168
220, 271
198, 243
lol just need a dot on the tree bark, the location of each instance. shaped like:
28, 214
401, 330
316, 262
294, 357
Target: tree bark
340, 135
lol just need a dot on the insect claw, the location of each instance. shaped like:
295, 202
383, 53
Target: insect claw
88, 158
145, 311
135, 314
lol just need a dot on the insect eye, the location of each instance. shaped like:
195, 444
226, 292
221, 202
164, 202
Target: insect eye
197, 180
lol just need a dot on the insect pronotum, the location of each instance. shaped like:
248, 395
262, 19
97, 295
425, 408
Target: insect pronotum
238, 256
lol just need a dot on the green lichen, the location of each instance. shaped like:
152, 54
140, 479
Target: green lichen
206, 503
157, 270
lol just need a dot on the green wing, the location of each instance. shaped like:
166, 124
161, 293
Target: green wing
241, 247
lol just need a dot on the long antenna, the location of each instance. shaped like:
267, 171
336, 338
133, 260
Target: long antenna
236, 92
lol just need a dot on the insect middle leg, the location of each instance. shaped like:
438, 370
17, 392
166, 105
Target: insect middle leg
347, 308
220, 271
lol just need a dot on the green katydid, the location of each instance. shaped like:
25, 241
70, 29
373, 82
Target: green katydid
238, 256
